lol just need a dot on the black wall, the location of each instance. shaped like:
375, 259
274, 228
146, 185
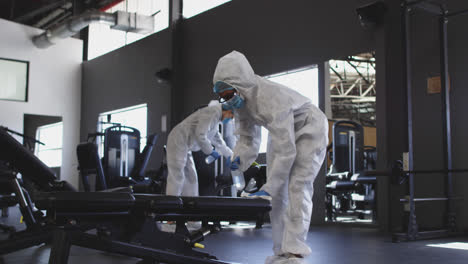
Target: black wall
391, 112
427, 117
274, 35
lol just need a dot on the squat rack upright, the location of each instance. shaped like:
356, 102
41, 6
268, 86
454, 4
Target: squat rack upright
441, 11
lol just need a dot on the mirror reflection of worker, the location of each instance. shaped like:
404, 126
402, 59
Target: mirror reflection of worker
199, 131
297, 142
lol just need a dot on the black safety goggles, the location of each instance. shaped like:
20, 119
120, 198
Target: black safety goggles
228, 96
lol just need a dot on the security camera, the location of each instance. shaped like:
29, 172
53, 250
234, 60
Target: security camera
164, 75
371, 15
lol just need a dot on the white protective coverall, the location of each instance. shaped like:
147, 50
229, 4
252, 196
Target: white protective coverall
199, 131
298, 138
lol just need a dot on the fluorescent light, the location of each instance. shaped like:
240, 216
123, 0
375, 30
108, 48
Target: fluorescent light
454, 245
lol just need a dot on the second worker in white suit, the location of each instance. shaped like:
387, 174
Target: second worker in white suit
199, 131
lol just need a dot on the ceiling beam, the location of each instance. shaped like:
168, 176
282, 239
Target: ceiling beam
41, 10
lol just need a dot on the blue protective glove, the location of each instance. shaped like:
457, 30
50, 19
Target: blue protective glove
233, 165
215, 154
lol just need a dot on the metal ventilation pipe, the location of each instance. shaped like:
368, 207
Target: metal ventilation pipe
71, 27
120, 20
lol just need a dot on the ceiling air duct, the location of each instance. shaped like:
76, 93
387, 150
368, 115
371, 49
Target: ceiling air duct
120, 20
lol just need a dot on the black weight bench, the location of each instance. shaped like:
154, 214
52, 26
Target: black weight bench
161, 207
126, 223
224, 208
89, 202
139, 212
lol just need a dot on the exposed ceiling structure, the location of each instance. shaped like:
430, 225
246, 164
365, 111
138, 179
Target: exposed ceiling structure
353, 88
47, 13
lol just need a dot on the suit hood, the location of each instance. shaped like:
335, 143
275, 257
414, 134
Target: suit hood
235, 70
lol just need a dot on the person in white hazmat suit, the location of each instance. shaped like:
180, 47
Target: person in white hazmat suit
298, 138
199, 131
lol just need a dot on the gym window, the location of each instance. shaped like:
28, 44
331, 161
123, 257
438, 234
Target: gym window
304, 81
102, 39
134, 116
51, 152
194, 7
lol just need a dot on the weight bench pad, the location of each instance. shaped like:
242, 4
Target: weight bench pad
85, 201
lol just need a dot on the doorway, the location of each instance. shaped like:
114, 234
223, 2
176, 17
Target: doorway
350, 194
48, 131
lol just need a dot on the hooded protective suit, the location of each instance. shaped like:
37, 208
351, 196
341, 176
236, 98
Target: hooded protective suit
199, 131
298, 137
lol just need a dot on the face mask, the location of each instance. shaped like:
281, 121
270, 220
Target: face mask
226, 120
235, 102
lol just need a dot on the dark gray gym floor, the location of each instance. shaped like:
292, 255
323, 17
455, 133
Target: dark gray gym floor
330, 244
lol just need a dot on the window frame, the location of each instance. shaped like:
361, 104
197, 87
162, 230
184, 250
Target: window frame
26, 88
